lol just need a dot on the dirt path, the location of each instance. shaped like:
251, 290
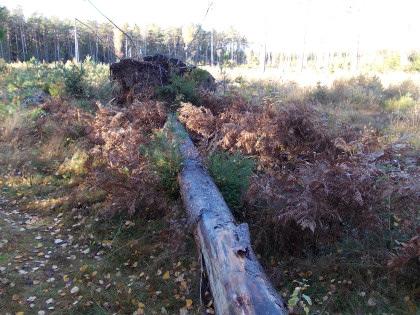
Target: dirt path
48, 267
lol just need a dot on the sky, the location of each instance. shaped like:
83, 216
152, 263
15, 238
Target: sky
319, 25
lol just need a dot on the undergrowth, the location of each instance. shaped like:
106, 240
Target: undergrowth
179, 89
331, 163
31, 83
186, 88
325, 177
166, 161
231, 173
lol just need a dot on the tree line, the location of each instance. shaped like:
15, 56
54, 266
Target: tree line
52, 39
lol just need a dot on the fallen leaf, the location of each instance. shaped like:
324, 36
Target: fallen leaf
31, 298
371, 302
188, 303
74, 290
166, 276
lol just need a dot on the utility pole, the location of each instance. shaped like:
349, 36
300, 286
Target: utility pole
115, 25
76, 43
264, 56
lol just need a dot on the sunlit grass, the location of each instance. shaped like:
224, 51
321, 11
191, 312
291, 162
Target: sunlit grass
405, 125
74, 165
400, 104
46, 204
27, 181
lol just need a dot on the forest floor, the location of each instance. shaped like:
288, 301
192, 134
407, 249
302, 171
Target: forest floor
48, 265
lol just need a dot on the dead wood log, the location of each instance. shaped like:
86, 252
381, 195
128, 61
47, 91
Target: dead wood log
237, 280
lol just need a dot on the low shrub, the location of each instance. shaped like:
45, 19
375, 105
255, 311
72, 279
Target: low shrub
361, 90
74, 81
392, 62
180, 89
57, 89
407, 87
402, 103
414, 59
74, 165
97, 79
320, 94
6, 110
3, 65
22, 80
36, 113
202, 79
116, 165
231, 173
164, 156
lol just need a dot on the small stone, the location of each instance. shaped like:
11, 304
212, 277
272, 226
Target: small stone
86, 251
31, 298
371, 302
74, 290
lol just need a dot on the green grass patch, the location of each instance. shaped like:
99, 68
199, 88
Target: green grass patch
3, 258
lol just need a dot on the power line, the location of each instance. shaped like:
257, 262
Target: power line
96, 34
101, 13
202, 21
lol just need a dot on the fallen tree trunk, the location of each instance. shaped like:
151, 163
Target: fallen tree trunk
237, 281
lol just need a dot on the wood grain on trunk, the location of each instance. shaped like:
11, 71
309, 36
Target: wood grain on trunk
237, 280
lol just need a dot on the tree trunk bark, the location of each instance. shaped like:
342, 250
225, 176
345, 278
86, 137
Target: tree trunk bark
76, 44
212, 48
36, 46
22, 38
96, 50
237, 280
